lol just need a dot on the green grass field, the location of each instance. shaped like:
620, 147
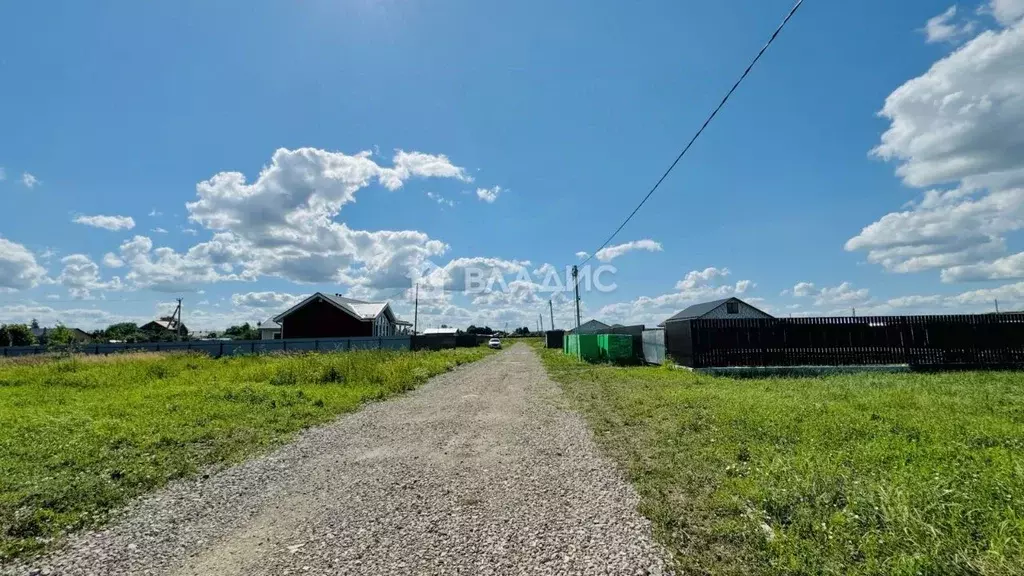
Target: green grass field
80, 437
858, 474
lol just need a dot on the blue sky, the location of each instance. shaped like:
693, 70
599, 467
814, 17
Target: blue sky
808, 195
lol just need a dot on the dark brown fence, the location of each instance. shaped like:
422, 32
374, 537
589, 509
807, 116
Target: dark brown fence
991, 340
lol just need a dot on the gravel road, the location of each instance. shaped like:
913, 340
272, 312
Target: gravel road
480, 471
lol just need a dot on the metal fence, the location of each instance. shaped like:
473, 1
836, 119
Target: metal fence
218, 348
654, 346
981, 341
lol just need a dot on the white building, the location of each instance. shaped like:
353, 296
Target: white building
270, 330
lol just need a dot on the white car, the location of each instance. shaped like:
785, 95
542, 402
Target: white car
494, 343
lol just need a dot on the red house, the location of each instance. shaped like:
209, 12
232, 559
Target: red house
335, 316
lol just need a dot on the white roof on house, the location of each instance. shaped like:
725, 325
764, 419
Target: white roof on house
365, 311
269, 324
368, 310
440, 331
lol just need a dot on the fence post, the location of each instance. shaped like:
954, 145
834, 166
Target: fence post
252, 346
380, 343
316, 345
348, 344
157, 346
284, 345
904, 336
221, 355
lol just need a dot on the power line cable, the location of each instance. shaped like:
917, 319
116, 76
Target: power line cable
701, 130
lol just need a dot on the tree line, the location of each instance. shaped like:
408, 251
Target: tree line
128, 332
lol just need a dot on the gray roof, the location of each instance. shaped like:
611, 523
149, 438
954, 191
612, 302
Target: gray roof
698, 310
360, 309
269, 324
591, 326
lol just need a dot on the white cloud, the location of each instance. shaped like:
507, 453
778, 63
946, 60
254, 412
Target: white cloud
112, 223
961, 122
457, 274
283, 224
85, 318
18, 267
1007, 11
941, 28
962, 118
696, 278
489, 195
440, 199
189, 231
802, 289
165, 270
81, 276
1010, 296
1005, 268
612, 252
695, 287
277, 300
159, 230
582, 255
29, 181
842, 295
154, 213
409, 164
915, 301
110, 260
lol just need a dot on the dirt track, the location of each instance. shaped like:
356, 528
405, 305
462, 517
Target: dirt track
480, 471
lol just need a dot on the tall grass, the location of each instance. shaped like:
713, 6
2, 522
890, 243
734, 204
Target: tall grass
80, 436
853, 474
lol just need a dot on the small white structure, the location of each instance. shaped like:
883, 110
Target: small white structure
439, 331
270, 330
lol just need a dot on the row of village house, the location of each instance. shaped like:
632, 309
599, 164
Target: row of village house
335, 316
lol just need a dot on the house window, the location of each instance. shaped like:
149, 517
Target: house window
732, 307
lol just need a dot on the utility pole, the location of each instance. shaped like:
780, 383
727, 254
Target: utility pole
416, 311
997, 305
576, 286
854, 312
552, 311
540, 318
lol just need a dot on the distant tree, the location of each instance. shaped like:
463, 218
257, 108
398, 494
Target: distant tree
34, 324
16, 335
524, 331
243, 332
60, 336
479, 330
125, 332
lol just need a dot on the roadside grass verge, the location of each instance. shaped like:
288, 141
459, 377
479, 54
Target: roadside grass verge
79, 437
855, 474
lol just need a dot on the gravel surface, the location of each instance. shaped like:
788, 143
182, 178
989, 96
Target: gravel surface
480, 471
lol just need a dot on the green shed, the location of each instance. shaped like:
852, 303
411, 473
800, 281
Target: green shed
615, 347
583, 346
